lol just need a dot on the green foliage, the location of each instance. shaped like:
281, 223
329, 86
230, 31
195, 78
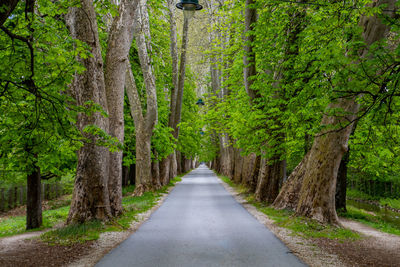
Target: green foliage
36, 112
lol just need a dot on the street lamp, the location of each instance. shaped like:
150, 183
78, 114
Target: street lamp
189, 7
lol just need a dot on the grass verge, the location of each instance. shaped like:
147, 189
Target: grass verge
299, 225
81, 233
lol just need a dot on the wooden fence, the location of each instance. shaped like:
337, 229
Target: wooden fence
16, 196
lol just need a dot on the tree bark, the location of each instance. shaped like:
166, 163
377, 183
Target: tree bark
34, 200
249, 58
90, 198
119, 43
249, 170
144, 125
164, 171
237, 177
270, 177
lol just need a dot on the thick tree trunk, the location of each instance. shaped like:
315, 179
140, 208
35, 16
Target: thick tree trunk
237, 176
289, 194
34, 200
164, 171
227, 156
270, 177
249, 165
90, 198
144, 179
173, 167
155, 172
317, 195
119, 43
178, 162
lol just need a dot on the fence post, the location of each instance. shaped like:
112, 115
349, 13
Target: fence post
2, 200
21, 195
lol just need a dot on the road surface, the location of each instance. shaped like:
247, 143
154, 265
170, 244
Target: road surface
201, 224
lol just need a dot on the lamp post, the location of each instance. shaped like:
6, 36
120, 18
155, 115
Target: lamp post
188, 7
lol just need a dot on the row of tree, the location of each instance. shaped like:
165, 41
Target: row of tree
90, 87
291, 83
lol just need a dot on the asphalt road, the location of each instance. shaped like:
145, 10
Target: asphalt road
201, 224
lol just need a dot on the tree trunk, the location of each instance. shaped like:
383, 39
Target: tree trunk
289, 194
237, 176
155, 172
34, 200
249, 165
178, 162
164, 171
144, 125
270, 177
144, 179
132, 174
119, 43
341, 184
90, 198
249, 59
173, 167
125, 175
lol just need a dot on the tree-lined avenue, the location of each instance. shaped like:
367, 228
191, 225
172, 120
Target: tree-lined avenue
201, 224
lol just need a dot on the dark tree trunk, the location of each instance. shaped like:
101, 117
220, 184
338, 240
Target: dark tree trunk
178, 162
164, 171
132, 174
341, 184
125, 175
270, 177
34, 200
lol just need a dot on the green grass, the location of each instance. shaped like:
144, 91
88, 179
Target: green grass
376, 222
81, 233
76, 233
17, 225
299, 225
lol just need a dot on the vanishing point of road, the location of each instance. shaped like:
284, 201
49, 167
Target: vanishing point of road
201, 224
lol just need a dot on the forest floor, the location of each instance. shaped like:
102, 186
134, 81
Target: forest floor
373, 248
